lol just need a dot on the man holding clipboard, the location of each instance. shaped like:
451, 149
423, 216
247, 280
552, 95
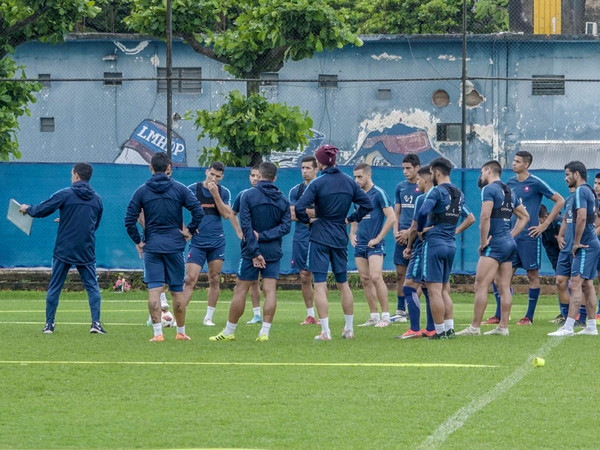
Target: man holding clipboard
80, 213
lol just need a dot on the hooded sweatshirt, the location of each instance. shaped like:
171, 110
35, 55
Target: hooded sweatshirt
162, 200
332, 193
80, 213
264, 209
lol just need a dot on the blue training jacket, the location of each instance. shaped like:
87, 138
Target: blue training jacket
80, 213
333, 193
162, 199
264, 209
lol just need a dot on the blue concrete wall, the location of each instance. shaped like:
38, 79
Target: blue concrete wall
33, 183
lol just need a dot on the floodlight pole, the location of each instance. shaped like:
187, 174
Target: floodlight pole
169, 44
463, 134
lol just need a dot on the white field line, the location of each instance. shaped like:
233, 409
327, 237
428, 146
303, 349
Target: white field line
225, 363
460, 417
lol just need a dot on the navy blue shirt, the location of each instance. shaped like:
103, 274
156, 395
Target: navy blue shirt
332, 193
499, 228
162, 200
210, 232
584, 198
437, 200
406, 195
301, 230
530, 192
265, 210
372, 223
80, 213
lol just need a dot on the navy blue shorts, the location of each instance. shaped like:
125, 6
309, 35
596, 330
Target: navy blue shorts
319, 257
414, 271
529, 253
363, 251
164, 268
585, 263
564, 263
247, 271
300, 254
502, 250
437, 262
399, 259
202, 255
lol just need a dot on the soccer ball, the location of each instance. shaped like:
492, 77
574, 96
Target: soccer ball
168, 319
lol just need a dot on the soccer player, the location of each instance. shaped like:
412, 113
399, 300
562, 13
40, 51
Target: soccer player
437, 220
332, 194
80, 210
255, 287
496, 246
264, 219
309, 169
367, 238
162, 200
406, 195
597, 191
586, 250
208, 242
530, 189
565, 259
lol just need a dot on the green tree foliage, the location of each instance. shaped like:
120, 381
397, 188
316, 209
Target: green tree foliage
251, 127
22, 21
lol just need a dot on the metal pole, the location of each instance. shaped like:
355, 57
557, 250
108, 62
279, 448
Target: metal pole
463, 134
169, 43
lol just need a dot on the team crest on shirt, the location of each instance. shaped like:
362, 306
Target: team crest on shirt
526, 189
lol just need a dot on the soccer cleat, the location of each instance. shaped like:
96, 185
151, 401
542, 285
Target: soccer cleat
439, 336
97, 328
450, 334
525, 321
348, 334
369, 323
49, 328
427, 333
255, 319
579, 323
323, 336
558, 319
383, 323
399, 317
310, 320
410, 334
588, 331
562, 331
470, 331
222, 337
262, 338
492, 321
182, 337
158, 338
208, 323
498, 331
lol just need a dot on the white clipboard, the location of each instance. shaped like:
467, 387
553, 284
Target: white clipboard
22, 221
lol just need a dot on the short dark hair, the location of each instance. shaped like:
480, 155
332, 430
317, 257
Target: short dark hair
598, 175
577, 166
527, 157
543, 211
442, 164
412, 158
310, 159
494, 166
425, 170
160, 161
255, 167
267, 170
217, 165
363, 166
84, 170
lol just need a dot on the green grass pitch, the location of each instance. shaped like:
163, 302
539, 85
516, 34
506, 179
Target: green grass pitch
76, 390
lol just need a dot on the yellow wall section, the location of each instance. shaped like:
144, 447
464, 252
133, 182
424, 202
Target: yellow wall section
546, 16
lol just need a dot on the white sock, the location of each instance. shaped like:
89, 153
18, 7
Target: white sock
449, 324
157, 328
256, 311
325, 325
209, 313
310, 312
229, 328
569, 324
385, 315
350, 321
265, 329
440, 328
181, 330
375, 316
591, 324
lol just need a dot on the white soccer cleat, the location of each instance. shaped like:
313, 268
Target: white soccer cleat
588, 331
497, 331
469, 331
383, 323
562, 331
369, 323
348, 334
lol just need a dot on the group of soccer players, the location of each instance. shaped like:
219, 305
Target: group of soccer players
426, 218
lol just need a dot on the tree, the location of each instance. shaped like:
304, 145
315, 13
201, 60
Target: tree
249, 37
22, 21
